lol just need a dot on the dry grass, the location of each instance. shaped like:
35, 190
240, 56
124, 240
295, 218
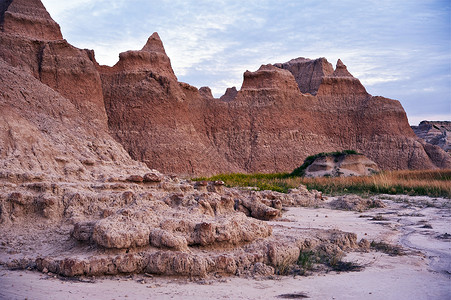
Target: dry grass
434, 183
429, 183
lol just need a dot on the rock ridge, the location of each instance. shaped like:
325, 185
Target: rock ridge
281, 114
435, 133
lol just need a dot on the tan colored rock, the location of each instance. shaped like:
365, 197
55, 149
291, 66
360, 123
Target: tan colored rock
62, 174
135, 178
356, 203
161, 238
259, 210
120, 232
82, 231
152, 177
342, 166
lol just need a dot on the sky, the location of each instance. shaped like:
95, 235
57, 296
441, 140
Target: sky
399, 49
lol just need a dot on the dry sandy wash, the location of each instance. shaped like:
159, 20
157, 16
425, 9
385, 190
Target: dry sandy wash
420, 225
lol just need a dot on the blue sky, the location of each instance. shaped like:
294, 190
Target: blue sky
400, 49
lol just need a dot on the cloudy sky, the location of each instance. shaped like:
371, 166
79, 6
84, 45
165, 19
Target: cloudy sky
400, 49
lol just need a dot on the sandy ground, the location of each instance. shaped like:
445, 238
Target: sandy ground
420, 224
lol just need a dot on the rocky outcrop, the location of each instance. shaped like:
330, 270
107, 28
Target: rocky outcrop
229, 95
341, 166
28, 18
73, 202
157, 119
281, 114
32, 41
173, 227
308, 73
435, 133
355, 203
53, 120
44, 135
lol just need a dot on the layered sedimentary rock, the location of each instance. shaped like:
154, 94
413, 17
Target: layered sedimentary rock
159, 226
28, 18
157, 119
435, 133
53, 120
44, 135
281, 114
73, 202
31, 40
308, 73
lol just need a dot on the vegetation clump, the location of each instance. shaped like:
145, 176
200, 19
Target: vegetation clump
433, 183
308, 259
392, 250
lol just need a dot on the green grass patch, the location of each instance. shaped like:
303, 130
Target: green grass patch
433, 183
278, 182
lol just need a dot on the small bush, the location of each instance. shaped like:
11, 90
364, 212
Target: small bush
346, 266
392, 250
306, 260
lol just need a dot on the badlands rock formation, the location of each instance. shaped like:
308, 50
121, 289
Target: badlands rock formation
72, 200
53, 120
341, 166
436, 133
281, 114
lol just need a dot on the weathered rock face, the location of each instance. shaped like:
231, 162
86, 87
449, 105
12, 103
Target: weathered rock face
53, 120
73, 202
436, 133
169, 226
281, 114
28, 18
43, 134
342, 166
157, 119
308, 73
32, 41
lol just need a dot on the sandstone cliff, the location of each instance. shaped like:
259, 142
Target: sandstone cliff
53, 120
158, 119
281, 114
32, 41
